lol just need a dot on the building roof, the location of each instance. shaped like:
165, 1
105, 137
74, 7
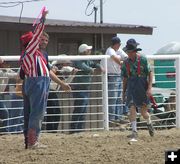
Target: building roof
66, 26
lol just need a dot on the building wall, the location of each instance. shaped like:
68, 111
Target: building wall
60, 43
9, 43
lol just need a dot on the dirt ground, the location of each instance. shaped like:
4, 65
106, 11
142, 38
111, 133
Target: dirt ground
103, 147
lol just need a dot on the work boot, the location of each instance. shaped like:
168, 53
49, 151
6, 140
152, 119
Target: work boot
150, 129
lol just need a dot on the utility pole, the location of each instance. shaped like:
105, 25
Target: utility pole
101, 11
95, 14
95, 35
101, 21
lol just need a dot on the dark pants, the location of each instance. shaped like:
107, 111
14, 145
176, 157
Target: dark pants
80, 108
3, 115
53, 108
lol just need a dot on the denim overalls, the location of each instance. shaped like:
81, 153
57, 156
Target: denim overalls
136, 87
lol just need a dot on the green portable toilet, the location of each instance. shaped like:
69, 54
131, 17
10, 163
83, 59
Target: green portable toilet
164, 73
164, 69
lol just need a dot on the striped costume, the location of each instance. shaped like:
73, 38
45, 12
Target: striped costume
32, 60
35, 87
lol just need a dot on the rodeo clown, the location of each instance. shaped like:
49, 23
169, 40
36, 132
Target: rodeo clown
137, 84
36, 73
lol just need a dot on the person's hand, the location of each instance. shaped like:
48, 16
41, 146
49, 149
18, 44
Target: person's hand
66, 87
74, 71
121, 62
149, 92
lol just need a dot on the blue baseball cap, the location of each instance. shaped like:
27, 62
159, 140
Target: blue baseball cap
115, 40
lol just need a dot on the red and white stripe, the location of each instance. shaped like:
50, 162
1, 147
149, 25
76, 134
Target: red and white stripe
33, 56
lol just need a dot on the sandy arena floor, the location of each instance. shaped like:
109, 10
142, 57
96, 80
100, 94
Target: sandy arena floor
91, 148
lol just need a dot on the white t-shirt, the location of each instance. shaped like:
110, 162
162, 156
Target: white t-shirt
112, 66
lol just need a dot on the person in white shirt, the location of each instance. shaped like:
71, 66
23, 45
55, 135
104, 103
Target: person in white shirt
117, 55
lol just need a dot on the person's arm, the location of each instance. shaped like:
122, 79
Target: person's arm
123, 55
124, 89
116, 59
150, 79
71, 76
33, 45
99, 67
9, 73
114, 55
149, 74
81, 65
64, 86
125, 79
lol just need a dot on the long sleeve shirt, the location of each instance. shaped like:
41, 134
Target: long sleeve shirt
33, 62
84, 75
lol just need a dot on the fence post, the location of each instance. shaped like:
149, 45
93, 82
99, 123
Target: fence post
178, 92
105, 95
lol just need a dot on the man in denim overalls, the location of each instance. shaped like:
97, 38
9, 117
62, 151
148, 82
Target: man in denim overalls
137, 84
36, 73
